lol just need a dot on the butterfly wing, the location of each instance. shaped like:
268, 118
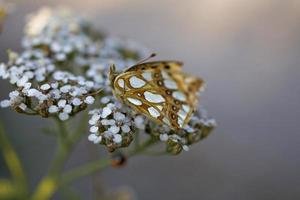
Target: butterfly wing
159, 90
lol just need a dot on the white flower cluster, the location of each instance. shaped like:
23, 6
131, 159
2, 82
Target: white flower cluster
58, 44
113, 125
41, 90
197, 129
67, 37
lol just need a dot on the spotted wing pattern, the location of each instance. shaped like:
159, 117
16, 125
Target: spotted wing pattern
159, 90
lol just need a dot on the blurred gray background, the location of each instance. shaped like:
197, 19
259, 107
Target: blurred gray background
247, 51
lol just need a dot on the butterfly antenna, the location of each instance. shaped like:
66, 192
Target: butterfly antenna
145, 59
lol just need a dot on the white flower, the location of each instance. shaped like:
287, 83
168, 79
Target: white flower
163, 137
76, 102
117, 138
94, 119
13, 94
89, 100
105, 112
60, 56
55, 47
55, 94
67, 109
45, 86
62, 103
107, 122
139, 122
105, 100
114, 129
53, 109
185, 147
33, 92
119, 116
92, 137
40, 96
5, 103
54, 85
26, 87
125, 128
94, 129
65, 88
98, 139
22, 81
63, 116
3, 71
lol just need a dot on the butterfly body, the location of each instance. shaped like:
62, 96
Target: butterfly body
159, 90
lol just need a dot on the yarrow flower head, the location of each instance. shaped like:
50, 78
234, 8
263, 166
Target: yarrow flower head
57, 46
64, 69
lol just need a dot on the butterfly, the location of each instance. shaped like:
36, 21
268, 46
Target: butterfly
159, 90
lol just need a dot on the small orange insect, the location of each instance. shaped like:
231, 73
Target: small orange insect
159, 90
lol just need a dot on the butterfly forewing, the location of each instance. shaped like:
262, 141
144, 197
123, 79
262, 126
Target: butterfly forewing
160, 91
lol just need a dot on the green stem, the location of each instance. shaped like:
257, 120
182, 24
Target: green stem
84, 170
55, 180
63, 149
14, 164
141, 148
66, 143
97, 165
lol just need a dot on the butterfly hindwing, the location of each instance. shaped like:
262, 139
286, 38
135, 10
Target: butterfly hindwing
160, 91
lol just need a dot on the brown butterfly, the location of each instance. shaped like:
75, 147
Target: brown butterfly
159, 90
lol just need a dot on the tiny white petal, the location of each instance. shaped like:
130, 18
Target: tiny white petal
45, 86
63, 116
94, 119
117, 138
114, 129
119, 116
41, 96
106, 111
54, 85
5, 103
62, 103
13, 94
98, 139
104, 100
106, 122
65, 88
89, 100
53, 109
92, 137
185, 147
22, 81
33, 92
125, 128
76, 102
94, 129
163, 137
139, 122
67, 108
111, 106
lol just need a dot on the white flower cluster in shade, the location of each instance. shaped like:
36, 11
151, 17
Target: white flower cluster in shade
114, 125
57, 45
197, 129
66, 37
41, 90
